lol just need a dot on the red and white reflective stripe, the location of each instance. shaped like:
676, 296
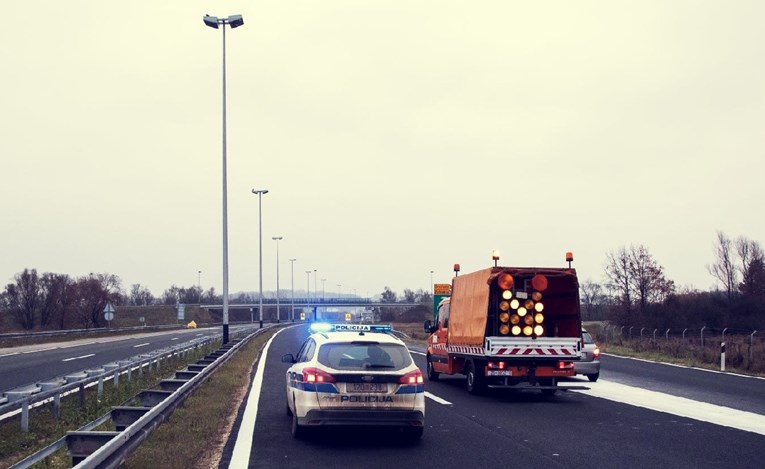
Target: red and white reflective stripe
465, 349
533, 351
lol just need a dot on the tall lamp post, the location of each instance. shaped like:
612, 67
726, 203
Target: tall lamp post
260, 193
316, 294
277, 239
322, 288
233, 21
308, 289
199, 282
431, 282
292, 284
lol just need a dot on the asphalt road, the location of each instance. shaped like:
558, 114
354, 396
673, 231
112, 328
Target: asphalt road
29, 364
572, 429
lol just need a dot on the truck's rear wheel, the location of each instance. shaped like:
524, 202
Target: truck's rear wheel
475, 382
432, 374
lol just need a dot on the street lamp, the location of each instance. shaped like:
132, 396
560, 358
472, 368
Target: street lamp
277, 239
292, 284
260, 193
233, 21
316, 294
431, 282
322, 288
308, 289
199, 282
339, 290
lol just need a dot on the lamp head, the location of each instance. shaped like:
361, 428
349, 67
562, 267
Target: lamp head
211, 21
235, 21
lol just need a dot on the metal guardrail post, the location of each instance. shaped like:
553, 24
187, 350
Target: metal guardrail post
684, 333
666, 334
25, 416
702, 336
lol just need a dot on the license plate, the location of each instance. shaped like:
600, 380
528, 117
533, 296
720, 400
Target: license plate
366, 387
500, 373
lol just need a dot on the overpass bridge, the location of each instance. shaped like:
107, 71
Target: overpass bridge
314, 308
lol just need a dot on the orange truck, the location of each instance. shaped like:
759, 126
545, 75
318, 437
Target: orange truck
508, 327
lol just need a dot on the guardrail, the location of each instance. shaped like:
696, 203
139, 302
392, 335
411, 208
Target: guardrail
134, 423
21, 399
113, 452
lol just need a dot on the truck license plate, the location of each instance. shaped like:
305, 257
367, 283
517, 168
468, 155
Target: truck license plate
366, 387
500, 373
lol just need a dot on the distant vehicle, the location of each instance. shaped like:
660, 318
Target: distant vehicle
513, 328
355, 375
589, 364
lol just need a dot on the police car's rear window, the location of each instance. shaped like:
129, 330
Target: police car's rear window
364, 356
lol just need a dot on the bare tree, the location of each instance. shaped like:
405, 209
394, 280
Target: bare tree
647, 278
54, 297
592, 298
140, 295
723, 268
618, 275
752, 264
23, 298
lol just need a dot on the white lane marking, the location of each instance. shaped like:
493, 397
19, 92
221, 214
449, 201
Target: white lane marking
40, 350
141, 345
174, 338
437, 399
77, 358
243, 445
418, 353
9, 354
77, 345
680, 406
684, 366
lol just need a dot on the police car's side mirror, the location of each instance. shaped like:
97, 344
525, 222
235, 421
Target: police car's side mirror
288, 358
428, 325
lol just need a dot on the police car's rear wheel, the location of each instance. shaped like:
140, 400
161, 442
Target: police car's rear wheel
432, 374
298, 431
289, 411
593, 377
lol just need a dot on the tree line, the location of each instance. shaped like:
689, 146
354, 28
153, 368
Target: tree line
634, 292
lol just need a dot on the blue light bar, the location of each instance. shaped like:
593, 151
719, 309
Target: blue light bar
321, 327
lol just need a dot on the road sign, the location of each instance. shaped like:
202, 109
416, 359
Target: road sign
302, 316
109, 312
347, 316
442, 289
181, 311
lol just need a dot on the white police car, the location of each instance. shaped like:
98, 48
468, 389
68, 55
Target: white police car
354, 374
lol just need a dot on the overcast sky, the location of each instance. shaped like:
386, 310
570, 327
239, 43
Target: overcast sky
394, 137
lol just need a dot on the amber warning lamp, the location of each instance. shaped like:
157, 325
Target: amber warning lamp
569, 258
495, 256
456, 269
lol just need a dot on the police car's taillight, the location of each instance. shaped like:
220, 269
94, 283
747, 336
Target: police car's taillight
315, 375
413, 377
596, 353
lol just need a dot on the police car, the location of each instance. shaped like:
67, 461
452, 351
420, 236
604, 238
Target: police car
354, 374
